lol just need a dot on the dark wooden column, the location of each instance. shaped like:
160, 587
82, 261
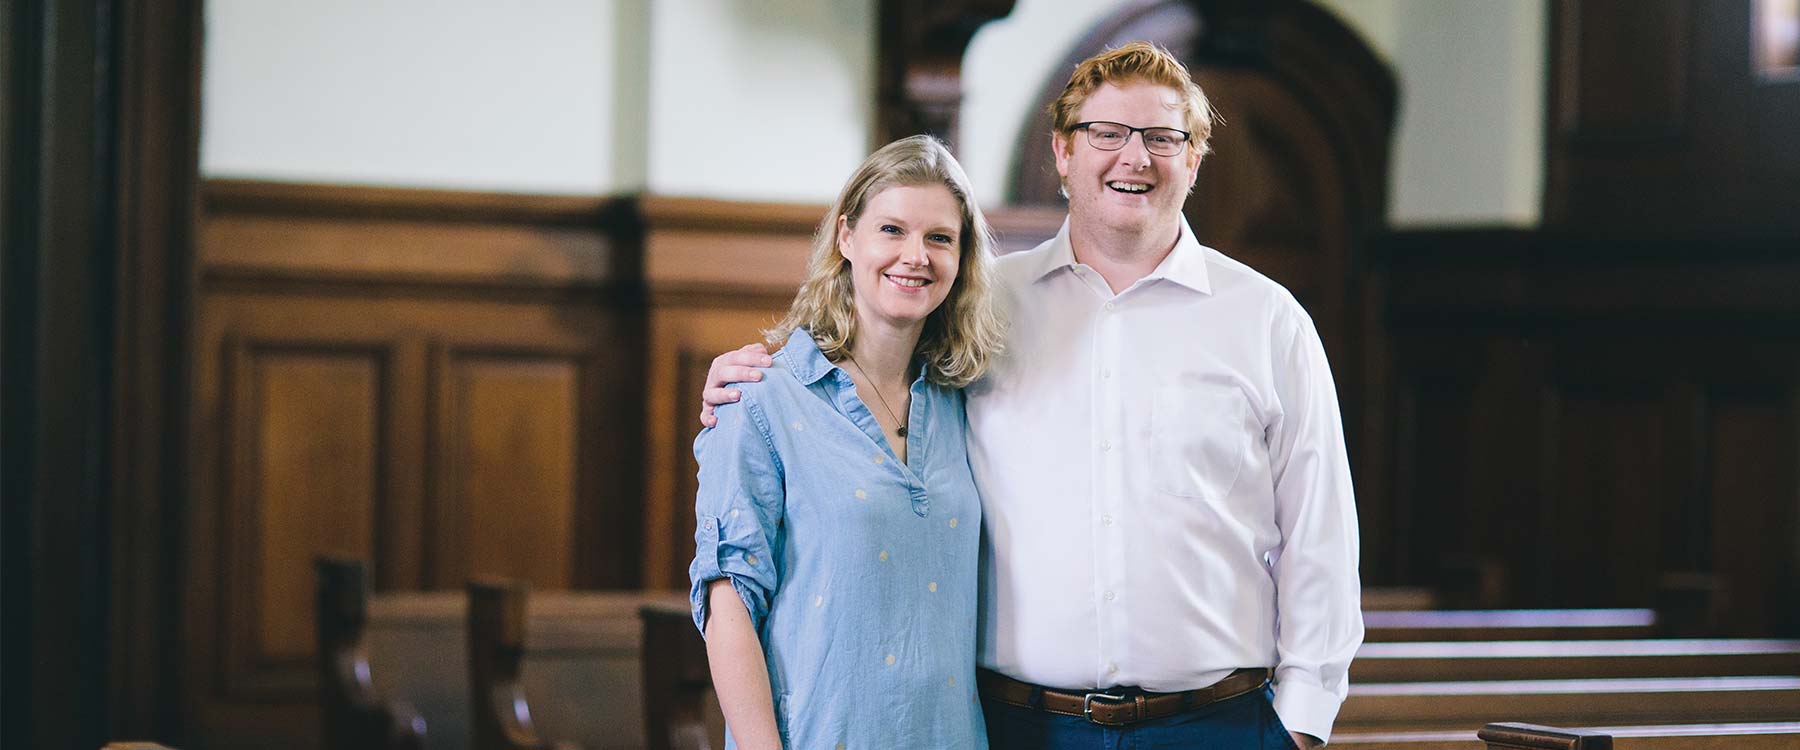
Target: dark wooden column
100, 103
919, 64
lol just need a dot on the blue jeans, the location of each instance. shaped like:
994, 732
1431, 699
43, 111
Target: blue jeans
1246, 722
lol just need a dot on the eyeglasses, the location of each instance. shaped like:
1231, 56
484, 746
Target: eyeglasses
1112, 136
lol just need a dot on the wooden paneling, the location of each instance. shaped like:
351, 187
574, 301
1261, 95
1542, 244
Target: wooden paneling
417, 383
1751, 438
1613, 90
1597, 424
305, 424
98, 160
918, 65
510, 430
1660, 125
1605, 451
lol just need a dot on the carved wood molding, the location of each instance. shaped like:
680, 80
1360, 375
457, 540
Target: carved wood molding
263, 232
919, 64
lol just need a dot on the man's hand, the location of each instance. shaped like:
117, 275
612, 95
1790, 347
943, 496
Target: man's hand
740, 366
1305, 741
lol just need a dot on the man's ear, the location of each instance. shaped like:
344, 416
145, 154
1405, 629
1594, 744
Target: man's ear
1059, 145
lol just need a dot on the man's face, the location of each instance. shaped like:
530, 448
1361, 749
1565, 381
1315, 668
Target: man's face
1131, 189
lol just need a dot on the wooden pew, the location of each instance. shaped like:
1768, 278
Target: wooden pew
681, 712
501, 717
1739, 736
1557, 660
581, 668
1460, 705
1386, 626
353, 714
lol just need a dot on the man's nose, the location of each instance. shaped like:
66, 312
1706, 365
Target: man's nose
1136, 151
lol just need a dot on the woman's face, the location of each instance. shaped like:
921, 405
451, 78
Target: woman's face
904, 252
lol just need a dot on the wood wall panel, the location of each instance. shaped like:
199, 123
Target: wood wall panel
1597, 424
510, 425
1604, 514
1661, 126
304, 476
1752, 439
418, 384
1616, 92
312, 434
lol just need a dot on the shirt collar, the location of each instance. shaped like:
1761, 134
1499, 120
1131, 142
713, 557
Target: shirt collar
803, 357
1184, 265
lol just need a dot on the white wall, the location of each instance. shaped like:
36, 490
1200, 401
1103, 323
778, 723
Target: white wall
437, 93
1005, 64
768, 100
763, 100
746, 100
1469, 142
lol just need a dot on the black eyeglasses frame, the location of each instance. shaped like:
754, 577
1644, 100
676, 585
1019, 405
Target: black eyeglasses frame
1142, 134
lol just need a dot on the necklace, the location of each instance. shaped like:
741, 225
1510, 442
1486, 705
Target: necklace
901, 430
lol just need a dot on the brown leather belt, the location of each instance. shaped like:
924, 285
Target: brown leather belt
1116, 707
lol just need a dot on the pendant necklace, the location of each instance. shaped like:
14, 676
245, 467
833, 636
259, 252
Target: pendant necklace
901, 430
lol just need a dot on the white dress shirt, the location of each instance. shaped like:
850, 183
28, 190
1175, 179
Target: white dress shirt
1167, 496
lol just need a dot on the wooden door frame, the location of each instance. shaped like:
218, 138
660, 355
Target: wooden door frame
101, 161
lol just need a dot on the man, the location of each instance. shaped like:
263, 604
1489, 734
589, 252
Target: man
1167, 509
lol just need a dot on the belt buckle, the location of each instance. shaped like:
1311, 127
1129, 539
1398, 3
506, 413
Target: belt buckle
1087, 708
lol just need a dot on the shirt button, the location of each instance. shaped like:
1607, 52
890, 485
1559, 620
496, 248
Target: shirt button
1106, 520
879, 460
1112, 669
1108, 306
1106, 445
1110, 596
1106, 373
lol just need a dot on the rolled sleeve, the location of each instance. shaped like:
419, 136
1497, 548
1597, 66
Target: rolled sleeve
737, 512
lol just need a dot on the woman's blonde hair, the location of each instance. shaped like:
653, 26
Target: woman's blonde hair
964, 333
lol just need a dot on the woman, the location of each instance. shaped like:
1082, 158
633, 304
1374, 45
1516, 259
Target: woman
837, 521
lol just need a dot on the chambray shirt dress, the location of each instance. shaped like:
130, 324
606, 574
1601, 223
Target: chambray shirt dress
858, 571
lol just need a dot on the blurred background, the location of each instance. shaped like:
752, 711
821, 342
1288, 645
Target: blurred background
435, 285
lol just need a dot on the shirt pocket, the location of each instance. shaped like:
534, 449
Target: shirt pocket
1198, 437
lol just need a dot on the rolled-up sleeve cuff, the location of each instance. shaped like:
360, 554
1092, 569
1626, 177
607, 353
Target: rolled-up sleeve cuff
1306, 708
712, 561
